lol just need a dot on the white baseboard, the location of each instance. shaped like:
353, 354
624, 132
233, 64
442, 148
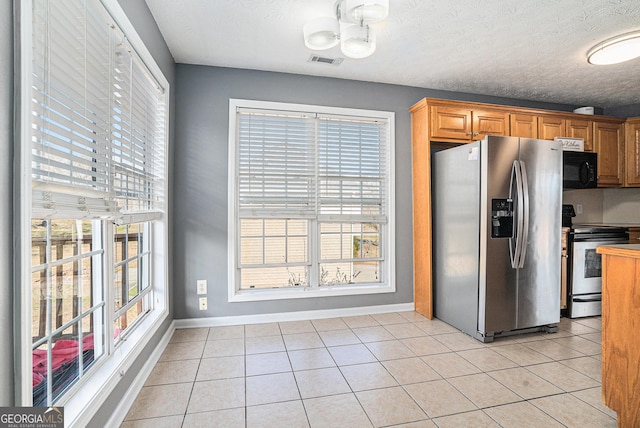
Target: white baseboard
292, 316
129, 397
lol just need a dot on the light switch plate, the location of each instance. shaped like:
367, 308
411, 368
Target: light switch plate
201, 286
578, 208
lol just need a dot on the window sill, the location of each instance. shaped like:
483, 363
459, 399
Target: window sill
85, 400
308, 292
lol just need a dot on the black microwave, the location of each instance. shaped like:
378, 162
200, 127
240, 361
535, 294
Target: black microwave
579, 170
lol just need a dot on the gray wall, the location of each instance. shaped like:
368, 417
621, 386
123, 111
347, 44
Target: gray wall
631, 110
6, 203
200, 176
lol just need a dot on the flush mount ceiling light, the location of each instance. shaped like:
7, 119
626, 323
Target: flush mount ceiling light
615, 50
357, 41
350, 27
321, 33
359, 11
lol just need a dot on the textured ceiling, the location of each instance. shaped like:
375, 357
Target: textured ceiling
531, 49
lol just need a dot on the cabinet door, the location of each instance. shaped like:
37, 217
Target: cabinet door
524, 125
489, 123
451, 123
551, 127
581, 129
607, 138
632, 153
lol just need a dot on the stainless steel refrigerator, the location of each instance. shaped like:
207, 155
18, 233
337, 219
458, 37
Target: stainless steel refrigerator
497, 206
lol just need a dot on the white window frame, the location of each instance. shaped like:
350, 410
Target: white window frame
388, 280
84, 398
145, 294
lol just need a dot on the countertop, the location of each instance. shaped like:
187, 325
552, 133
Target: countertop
611, 224
622, 250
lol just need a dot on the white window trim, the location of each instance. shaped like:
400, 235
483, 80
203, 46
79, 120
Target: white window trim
84, 398
388, 284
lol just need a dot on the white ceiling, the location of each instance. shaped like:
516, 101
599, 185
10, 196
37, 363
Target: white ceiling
525, 49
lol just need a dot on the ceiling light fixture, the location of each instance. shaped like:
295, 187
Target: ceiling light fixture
615, 50
321, 33
351, 27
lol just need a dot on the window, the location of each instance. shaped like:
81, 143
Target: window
94, 146
68, 303
311, 207
132, 276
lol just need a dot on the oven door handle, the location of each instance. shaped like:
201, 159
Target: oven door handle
583, 300
600, 240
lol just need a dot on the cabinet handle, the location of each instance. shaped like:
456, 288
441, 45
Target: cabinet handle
638, 238
469, 133
476, 133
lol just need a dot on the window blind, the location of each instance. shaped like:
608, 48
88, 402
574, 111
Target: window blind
98, 113
352, 169
137, 125
50, 204
329, 167
276, 164
70, 128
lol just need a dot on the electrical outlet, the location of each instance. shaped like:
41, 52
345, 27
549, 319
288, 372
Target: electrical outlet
203, 303
201, 286
579, 209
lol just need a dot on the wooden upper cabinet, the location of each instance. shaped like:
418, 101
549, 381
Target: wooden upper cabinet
608, 143
581, 129
550, 127
524, 125
632, 153
489, 123
450, 123
463, 124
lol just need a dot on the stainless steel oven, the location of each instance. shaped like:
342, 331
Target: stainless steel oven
585, 288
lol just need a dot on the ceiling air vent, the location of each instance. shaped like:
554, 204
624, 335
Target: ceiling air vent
324, 60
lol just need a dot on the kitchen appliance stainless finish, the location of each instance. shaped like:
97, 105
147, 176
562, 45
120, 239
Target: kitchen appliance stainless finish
585, 288
496, 236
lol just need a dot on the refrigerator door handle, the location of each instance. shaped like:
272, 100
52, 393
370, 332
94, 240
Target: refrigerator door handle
514, 242
525, 209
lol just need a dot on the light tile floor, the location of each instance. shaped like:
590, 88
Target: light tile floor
397, 369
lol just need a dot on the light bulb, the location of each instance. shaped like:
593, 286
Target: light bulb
321, 33
357, 41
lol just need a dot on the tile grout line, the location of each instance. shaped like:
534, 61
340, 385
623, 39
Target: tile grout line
558, 358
